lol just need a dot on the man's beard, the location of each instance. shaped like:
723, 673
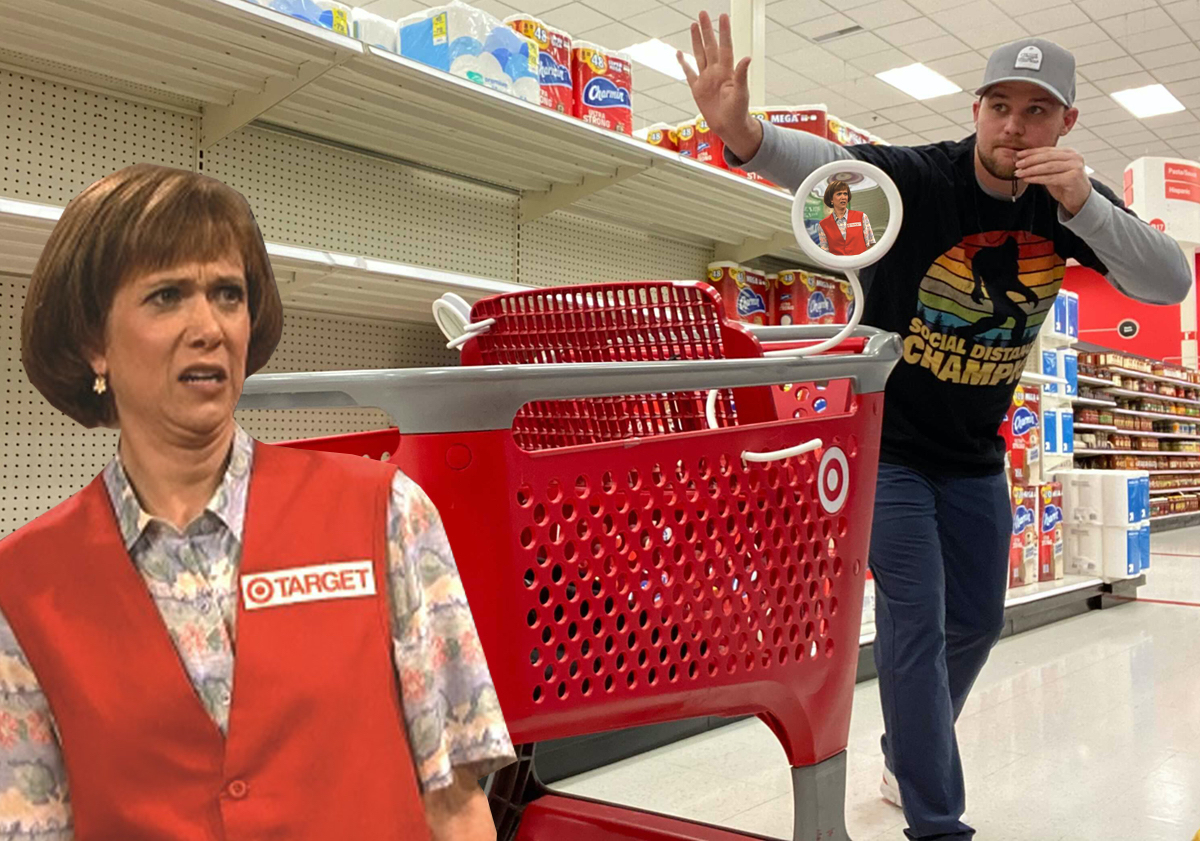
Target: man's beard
1008, 172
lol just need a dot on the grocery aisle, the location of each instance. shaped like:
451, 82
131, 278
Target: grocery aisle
1093, 722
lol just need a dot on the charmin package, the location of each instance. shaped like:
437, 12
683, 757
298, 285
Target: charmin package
1050, 528
844, 134
603, 87
554, 62
663, 136
821, 300
1021, 430
1023, 549
710, 149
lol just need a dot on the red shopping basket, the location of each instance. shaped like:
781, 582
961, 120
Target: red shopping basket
654, 572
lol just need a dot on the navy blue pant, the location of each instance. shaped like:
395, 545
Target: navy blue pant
939, 555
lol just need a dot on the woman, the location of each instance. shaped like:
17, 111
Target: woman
151, 303
844, 231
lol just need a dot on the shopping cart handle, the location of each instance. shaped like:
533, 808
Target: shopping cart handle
479, 398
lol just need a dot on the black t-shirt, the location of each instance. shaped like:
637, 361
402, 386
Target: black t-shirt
967, 285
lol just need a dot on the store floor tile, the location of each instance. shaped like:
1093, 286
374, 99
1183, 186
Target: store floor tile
1082, 730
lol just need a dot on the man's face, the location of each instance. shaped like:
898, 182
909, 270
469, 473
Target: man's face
1017, 115
840, 199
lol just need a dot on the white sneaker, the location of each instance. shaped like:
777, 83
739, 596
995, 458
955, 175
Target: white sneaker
890, 789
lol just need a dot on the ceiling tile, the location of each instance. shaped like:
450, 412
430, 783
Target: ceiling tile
680, 40
789, 12
1186, 86
1086, 90
1157, 147
395, 9
810, 58
922, 125
783, 82
823, 25
939, 135
934, 48
1180, 118
993, 35
575, 17
1104, 9
1125, 136
910, 31
860, 44
872, 93
1192, 27
1173, 132
784, 42
908, 111
676, 93
1017, 8
962, 63
615, 9
615, 36
1175, 73
1121, 83
878, 62
693, 8
659, 21
1096, 122
971, 16
1171, 55
1144, 20
1183, 11
907, 140
1100, 51
645, 79
1107, 69
1085, 146
666, 114
882, 12
929, 7
1077, 36
1154, 39
835, 72
1059, 17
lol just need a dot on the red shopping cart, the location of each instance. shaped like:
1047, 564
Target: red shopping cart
627, 563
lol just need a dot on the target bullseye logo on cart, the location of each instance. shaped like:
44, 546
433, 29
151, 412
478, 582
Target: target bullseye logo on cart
833, 480
319, 582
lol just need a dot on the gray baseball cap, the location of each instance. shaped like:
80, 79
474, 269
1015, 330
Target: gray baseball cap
1035, 60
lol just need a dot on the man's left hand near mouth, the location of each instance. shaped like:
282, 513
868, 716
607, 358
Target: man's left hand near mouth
1061, 171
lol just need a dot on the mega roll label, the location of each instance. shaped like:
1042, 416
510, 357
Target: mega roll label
603, 82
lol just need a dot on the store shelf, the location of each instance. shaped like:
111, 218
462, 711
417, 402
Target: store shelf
1160, 415
1176, 516
1170, 491
1042, 379
1096, 426
1088, 401
1126, 372
233, 62
1173, 472
1086, 380
309, 279
1139, 434
1086, 452
1144, 395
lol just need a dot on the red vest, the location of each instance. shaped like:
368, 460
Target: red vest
855, 242
316, 747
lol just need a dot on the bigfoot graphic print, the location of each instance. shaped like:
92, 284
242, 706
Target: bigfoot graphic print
967, 286
981, 305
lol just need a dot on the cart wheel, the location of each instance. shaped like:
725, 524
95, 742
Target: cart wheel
510, 789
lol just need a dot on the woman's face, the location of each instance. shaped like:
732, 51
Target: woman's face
840, 199
175, 348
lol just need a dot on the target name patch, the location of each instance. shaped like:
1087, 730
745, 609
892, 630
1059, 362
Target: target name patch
319, 582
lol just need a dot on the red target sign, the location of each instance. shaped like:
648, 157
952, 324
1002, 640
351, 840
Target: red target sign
833, 480
1158, 224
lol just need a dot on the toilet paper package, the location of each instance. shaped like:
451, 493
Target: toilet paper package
326, 13
844, 134
663, 136
451, 38
710, 148
685, 139
603, 87
375, 30
810, 118
783, 296
743, 291
557, 89
518, 57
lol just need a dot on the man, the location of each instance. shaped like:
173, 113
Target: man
1008, 206
844, 231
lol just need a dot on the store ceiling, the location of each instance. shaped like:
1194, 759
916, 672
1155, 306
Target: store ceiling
1118, 44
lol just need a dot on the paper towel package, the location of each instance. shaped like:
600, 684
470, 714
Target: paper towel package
1073, 315
1083, 495
1066, 431
451, 38
331, 15
1049, 368
518, 57
1144, 544
603, 87
557, 91
1112, 552
375, 30
1068, 369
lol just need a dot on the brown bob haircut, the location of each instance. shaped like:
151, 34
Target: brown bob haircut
836, 187
144, 218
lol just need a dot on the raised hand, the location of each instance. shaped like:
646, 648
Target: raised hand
721, 88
